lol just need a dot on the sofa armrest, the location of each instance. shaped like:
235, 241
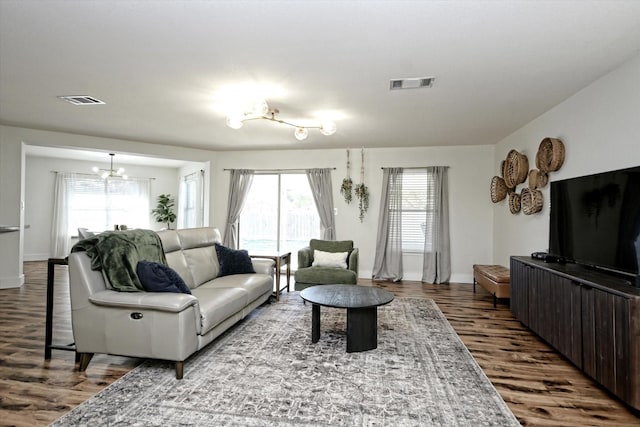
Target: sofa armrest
264, 266
353, 260
162, 301
304, 257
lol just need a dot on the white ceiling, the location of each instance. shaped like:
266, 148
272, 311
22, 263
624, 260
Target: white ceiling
101, 158
160, 66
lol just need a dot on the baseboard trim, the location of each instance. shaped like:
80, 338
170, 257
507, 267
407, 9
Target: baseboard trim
36, 257
455, 278
11, 282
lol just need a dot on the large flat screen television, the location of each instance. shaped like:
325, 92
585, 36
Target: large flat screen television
595, 221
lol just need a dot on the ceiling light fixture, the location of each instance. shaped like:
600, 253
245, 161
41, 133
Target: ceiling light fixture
260, 111
111, 172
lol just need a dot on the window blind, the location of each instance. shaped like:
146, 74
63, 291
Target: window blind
417, 209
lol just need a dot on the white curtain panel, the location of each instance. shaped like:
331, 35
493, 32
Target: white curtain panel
59, 246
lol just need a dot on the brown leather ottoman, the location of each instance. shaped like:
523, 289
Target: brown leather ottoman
494, 278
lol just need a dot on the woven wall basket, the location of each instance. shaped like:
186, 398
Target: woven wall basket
550, 156
537, 179
516, 169
531, 201
514, 203
498, 189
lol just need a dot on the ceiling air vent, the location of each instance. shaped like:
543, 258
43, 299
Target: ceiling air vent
81, 100
411, 83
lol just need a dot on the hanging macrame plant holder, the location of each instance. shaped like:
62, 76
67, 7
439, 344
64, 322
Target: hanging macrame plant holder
347, 183
362, 192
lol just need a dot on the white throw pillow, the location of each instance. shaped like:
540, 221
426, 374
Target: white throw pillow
329, 259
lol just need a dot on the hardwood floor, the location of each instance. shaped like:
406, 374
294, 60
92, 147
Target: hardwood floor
539, 385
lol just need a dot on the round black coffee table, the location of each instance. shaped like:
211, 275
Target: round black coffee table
361, 303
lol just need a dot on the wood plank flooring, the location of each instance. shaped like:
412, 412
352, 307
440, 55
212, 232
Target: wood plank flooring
540, 386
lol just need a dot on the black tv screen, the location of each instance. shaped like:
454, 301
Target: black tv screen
595, 220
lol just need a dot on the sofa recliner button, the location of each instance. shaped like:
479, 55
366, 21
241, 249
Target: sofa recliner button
136, 316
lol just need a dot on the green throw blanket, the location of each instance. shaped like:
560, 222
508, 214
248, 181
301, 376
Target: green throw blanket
117, 253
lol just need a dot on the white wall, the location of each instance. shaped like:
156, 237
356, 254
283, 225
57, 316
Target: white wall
39, 185
12, 180
600, 128
11, 212
471, 225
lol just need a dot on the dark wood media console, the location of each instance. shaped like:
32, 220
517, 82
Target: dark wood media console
591, 317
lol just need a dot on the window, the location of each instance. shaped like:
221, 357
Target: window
190, 200
279, 214
99, 204
417, 209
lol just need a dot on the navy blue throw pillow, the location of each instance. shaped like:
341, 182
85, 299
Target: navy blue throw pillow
233, 261
156, 277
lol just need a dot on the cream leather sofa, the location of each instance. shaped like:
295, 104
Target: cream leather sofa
168, 326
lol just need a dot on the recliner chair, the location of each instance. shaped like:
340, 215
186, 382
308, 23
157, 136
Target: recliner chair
311, 275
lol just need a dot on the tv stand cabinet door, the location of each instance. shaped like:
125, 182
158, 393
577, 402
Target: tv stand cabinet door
566, 297
605, 340
519, 282
550, 306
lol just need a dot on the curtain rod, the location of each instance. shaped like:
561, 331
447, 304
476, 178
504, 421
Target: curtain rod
280, 170
98, 176
201, 171
414, 167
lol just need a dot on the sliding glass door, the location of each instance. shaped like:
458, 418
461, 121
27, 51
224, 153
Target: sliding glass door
279, 214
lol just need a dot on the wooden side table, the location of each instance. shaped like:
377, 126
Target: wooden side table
280, 258
48, 338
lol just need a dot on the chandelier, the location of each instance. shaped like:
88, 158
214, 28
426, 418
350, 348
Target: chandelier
111, 172
260, 111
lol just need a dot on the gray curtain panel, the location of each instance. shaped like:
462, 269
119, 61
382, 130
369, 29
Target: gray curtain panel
320, 183
239, 186
437, 261
388, 260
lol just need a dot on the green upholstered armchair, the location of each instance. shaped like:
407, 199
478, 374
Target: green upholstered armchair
309, 275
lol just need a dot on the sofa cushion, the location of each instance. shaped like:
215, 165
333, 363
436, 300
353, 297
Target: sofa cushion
233, 261
203, 264
326, 275
178, 262
198, 237
330, 259
156, 277
170, 240
217, 304
255, 285
189, 251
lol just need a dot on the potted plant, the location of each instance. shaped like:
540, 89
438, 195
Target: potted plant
164, 210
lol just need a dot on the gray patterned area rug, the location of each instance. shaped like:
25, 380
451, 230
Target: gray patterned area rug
266, 372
